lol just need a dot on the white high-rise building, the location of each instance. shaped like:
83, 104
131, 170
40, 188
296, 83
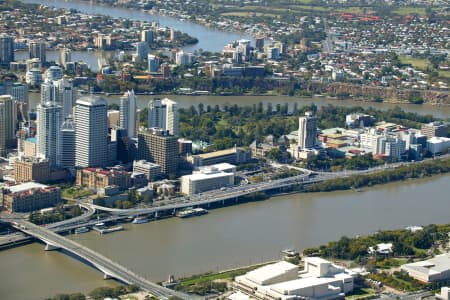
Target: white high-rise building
307, 131
164, 114
59, 92
65, 56
48, 92
91, 132
65, 95
127, 119
49, 121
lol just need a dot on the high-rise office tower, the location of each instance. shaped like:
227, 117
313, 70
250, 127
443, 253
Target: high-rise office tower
65, 95
20, 92
7, 123
6, 49
127, 119
60, 92
142, 50
153, 63
68, 144
37, 49
48, 92
307, 131
49, 121
164, 114
147, 36
91, 132
158, 146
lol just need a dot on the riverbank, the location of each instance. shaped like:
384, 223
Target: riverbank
411, 171
226, 238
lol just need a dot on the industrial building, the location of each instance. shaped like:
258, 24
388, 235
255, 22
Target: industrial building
431, 270
320, 279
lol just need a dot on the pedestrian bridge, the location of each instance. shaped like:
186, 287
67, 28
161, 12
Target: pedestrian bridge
109, 268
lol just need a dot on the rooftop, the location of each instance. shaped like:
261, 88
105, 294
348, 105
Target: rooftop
273, 270
435, 265
217, 153
91, 101
25, 187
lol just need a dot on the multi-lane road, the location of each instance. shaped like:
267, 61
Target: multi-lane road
104, 264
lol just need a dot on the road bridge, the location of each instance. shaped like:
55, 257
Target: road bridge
109, 268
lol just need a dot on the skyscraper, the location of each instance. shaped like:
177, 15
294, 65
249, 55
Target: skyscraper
49, 121
307, 131
65, 95
65, 56
142, 50
48, 92
7, 123
127, 118
60, 92
68, 144
153, 63
37, 49
158, 146
6, 49
91, 132
164, 114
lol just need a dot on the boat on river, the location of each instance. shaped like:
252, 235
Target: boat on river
140, 220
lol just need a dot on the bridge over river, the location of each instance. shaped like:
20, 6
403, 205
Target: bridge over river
109, 268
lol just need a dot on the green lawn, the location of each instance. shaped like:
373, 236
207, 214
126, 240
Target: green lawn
361, 293
197, 279
404, 11
76, 192
419, 63
444, 74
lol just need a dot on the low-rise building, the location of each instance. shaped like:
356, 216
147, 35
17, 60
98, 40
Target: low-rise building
30, 196
438, 145
151, 170
100, 178
445, 293
431, 270
207, 178
233, 156
320, 279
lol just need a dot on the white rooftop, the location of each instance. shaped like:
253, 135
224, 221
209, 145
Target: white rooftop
435, 265
203, 176
25, 187
286, 287
273, 270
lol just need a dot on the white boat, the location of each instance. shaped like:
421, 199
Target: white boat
289, 252
81, 230
113, 229
140, 220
